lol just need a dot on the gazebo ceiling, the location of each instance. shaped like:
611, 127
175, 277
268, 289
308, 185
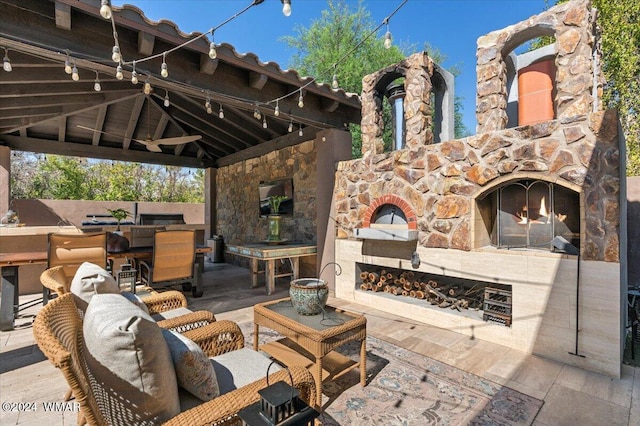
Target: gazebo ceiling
43, 110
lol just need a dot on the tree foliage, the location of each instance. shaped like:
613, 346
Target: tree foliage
70, 178
620, 23
331, 39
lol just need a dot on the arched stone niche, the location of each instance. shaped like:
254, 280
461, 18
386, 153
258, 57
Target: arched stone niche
572, 25
421, 78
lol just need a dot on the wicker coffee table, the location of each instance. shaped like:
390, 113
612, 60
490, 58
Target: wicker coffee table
310, 340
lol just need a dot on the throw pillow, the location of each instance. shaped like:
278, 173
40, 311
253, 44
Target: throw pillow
194, 371
129, 362
133, 298
91, 279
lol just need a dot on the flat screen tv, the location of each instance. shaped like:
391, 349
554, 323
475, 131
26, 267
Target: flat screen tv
277, 187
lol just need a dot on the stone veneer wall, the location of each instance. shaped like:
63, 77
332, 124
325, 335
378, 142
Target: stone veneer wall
238, 218
442, 181
579, 150
572, 24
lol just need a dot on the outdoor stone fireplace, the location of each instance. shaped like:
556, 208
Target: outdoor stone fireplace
489, 208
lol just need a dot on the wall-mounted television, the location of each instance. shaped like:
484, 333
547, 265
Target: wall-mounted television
277, 187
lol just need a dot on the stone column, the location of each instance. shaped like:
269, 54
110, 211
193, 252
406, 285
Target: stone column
417, 102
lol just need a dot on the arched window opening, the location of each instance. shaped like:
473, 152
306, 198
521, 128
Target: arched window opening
443, 101
395, 95
531, 85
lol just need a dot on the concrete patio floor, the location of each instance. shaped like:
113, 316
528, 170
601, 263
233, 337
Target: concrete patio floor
571, 396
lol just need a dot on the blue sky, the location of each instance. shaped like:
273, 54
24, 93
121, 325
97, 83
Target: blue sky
453, 26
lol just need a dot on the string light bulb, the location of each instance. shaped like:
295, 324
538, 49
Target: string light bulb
166, 99
286, 7
134, 74
334, 83
264, 122
207, 105
96, 85
67, 64
115, 54
257, 114
220, 112
276, 112
212, 47
119, 74
300, 130
387, 36
290, 129
147, 87
387, 40
6, 63
300, 100
164, 70
74, 73
105, 9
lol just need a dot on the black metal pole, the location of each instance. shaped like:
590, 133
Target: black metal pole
577, 307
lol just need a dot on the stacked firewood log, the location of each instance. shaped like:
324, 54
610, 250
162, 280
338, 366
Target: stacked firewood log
406, 283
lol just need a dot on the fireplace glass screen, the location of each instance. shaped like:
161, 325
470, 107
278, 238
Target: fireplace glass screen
530, 213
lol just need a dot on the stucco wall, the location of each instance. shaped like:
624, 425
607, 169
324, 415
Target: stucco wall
44, 216
74, 212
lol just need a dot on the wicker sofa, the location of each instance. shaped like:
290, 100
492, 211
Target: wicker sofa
58, 330
168, 308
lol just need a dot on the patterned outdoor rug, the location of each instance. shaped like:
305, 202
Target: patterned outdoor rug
405, 388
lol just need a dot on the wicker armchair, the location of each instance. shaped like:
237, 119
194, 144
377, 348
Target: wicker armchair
56, 280
58, 332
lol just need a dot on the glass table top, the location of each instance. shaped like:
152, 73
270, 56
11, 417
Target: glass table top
325, 320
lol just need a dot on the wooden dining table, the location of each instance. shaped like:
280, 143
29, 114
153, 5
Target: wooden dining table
10, 266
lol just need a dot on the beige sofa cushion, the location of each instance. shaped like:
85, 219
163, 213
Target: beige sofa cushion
127, 356
173, 313
91, 279
193, 369
238, 368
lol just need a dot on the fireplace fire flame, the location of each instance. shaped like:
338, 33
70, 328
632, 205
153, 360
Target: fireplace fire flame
543, 213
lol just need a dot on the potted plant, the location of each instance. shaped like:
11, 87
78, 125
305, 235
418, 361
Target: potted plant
274, 203
119, 215
274, 218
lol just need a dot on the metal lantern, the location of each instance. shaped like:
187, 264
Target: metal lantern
279, 405
127, 278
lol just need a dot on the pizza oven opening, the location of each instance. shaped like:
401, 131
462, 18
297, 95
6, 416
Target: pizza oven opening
389, 218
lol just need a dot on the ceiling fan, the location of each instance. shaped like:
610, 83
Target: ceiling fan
153, 144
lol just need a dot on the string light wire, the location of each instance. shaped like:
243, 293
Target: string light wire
247, 104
